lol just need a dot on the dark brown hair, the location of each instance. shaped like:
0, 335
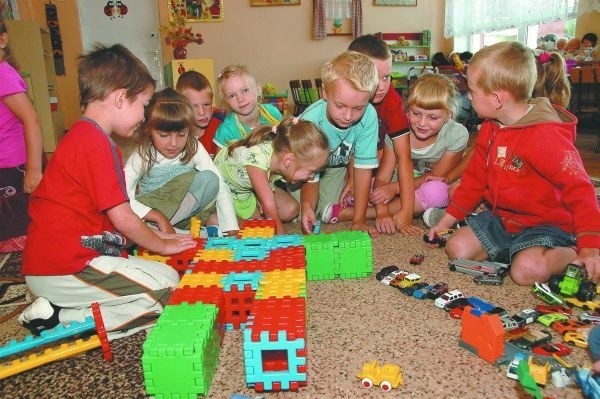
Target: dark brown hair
192, 80
372, 46
5, 52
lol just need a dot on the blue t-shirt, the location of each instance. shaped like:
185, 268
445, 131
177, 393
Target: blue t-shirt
358, 140
229, 130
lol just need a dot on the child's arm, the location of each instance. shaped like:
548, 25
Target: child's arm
132, 227
309, 196
384, 191
457, 172
447, 163
361, 187
266, 196
20, 105
404, 217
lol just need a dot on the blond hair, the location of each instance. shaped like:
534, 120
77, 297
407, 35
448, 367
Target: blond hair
506, 66
235, 70
169, 112
299, 137
552, 81
354, 67
434, 91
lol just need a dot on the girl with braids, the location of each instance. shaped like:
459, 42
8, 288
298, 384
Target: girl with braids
293, 151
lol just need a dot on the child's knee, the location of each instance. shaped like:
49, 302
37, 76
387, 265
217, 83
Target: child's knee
290, 211
526, 271
205, 185
432, 194
456, 250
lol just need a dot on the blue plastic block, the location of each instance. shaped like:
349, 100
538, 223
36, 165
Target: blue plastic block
240, 280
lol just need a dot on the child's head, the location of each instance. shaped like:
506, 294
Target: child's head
5, 53
505, 67
573, 44
589, 40
552, 79
439, 59
302, 148
380, 54
239, 89
561, 43
167, 128
349, 82
432, 101
196, 88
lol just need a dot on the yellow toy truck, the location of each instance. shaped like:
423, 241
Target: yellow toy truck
387, 376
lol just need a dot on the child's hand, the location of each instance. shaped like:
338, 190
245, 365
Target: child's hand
165, 226
403, 222
177, 244
385, 224
309, 220
590, 258
32, 179
365, 227
346, 192
432, 177
383, 194
231, 233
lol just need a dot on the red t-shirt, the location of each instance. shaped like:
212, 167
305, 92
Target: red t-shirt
207, 138
84, 178
392, 117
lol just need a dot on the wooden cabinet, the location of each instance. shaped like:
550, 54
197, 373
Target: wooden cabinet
413, 54
31, 46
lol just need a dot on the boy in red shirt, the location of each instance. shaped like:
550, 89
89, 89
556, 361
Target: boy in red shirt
196, 88
543, 212
80, 212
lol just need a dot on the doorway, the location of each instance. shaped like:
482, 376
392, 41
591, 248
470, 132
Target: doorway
136, 27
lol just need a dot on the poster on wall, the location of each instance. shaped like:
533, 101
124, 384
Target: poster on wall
198, 10
8, 9
260, 3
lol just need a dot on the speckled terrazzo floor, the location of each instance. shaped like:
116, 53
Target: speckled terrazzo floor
349, 322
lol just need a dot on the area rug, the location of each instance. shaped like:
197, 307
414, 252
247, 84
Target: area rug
13, 290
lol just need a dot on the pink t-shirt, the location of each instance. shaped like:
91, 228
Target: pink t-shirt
12, 139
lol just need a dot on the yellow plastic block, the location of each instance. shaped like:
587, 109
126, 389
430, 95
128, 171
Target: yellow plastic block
155, 257
195, 224
63, 351
215, 254
201, 280
280, 283
257, 232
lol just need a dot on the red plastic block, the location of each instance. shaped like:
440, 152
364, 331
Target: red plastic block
254, 223
237, 305
101, 331
229, 267
283, 314
287, 258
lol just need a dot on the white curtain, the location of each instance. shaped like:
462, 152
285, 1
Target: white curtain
585, 6
466, 17
338, 9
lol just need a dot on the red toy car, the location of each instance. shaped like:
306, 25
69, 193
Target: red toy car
417, 259
549, 349
562, 327
545, 309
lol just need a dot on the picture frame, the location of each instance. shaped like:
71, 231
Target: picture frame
268, 3
197, 11
401, 3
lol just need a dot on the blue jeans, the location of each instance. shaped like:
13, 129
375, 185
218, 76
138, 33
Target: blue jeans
501, 245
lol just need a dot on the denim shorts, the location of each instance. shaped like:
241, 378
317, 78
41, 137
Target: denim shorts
501, 245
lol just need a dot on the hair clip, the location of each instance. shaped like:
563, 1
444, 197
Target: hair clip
274, 129
295, 120
545, 57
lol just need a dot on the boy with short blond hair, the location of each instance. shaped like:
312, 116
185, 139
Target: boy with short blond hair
350, 123
543, 212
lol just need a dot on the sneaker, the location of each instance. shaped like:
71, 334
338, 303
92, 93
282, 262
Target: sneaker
432, 216
331, 212
39, 316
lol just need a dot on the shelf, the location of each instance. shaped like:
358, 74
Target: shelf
412, 62
393, 47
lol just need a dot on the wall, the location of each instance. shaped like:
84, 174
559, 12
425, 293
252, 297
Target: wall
589, 22
68, 92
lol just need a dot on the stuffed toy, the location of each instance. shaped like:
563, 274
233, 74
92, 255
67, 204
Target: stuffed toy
457, 62
402, 41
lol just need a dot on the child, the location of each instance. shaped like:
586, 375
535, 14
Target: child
80, 212
20, 150
171, 177
350, 123
394, 123
293, 151
594, 345
437, 145
196, 88
542, 206
241, 92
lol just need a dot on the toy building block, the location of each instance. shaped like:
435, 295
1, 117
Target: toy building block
181, 352
202, 279
195, 226
264, 228
353, 254
527, 381
281, 283
101, 332
319, 256
483, 335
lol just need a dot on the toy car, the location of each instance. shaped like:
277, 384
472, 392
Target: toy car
589, 318
480, 305
478, 268
411, 289
511, 369
549, 349
423, 292
386, 271
531, 339
515, 333
438, 290
417, 259
526, 316
543, 309
456, 303
573, 283
563, 327
457, 312
398, 278
409, 280
488, 279
594, 306
549, 318
387, 280
576, 338
387, 376
543, 292
440, 238
448, 297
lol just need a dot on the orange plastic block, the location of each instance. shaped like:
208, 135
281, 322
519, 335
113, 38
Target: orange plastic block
484, 334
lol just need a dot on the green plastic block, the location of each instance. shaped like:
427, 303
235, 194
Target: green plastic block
319, 256
353, 256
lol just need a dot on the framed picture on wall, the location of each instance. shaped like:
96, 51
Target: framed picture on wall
198, 10
403, 3
261, 3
